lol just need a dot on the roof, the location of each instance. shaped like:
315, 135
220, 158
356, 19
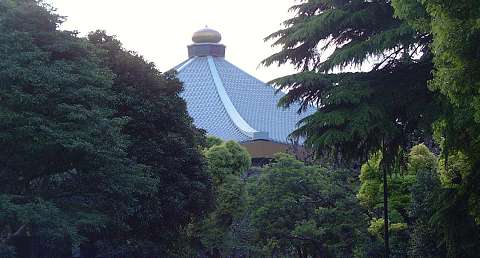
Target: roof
231, 104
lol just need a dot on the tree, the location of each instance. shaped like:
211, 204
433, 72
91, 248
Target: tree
424, 240
413, 195
97, 148
227, 163
455, 33
164, 140
58, 135
370, 196
360, 113
306, 211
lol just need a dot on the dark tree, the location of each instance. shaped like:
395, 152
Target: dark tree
63, 158
383, 109
164, 140
97, 149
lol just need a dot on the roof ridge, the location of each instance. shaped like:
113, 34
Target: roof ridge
185, 64
232, 112
253, 100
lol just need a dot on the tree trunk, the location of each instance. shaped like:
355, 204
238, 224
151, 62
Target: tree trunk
385, 211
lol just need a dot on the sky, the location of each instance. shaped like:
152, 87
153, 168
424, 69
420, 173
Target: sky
160, 30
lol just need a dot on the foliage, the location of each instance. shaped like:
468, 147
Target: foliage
455, 31
370, 196
357, 29
370, 183
227, 163
100, 151
211, 141
57, 121
432, 43
227, 158
305, 211
420, 159
163, 139
358, 113
454, 168
404, 193
425, 238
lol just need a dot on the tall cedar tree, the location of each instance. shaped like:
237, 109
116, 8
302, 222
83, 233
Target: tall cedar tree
364, 112
163, 139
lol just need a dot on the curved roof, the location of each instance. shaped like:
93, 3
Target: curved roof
231, 104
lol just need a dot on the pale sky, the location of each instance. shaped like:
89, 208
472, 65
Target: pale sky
160, 30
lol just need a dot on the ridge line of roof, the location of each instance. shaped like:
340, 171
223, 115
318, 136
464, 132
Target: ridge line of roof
232, 112
185, 64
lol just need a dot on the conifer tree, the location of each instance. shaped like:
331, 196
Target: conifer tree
359, 113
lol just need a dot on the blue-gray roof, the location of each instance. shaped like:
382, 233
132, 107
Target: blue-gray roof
233, 105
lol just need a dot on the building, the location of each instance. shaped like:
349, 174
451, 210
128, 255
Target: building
231, 104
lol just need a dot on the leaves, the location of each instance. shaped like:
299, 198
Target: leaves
164, 141
97, 146
227, 164
305, 209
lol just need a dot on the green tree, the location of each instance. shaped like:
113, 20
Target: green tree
63, 157
164, 140
306, 211
227, 163
425, 237
370, 196
211, 141
453, 169
455, 32
360, 113
97, 148
400, 184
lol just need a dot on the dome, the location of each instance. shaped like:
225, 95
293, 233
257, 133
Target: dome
206, 35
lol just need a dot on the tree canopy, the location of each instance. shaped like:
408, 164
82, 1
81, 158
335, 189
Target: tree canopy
359, 113
307, 211
422, 84
164, 140
227, 164
98, 151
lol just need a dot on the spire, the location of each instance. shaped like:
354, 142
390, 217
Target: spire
206, 35
206, 43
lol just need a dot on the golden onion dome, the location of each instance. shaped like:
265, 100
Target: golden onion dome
206, 35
